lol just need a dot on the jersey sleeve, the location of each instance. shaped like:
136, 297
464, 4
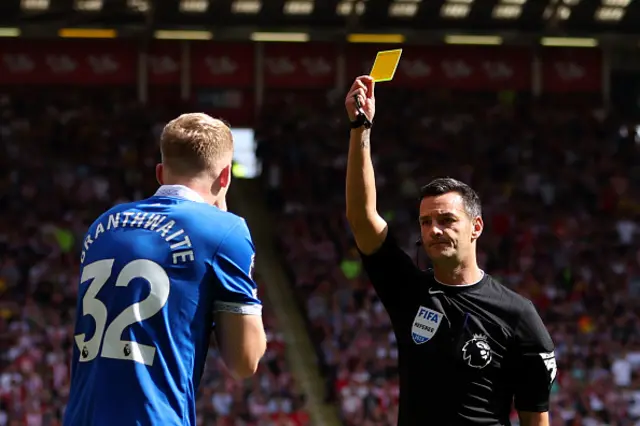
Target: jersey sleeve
535, 362
233, 265
391, 272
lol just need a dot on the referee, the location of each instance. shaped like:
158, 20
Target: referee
469, 348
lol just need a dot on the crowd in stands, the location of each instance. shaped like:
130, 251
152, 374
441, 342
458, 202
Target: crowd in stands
560, 203
561, 206
64, 159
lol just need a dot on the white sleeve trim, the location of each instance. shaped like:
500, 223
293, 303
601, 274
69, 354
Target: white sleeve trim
237, 308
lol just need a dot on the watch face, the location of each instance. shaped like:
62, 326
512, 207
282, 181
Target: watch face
361, 121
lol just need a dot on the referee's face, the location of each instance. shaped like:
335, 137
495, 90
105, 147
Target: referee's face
447, 230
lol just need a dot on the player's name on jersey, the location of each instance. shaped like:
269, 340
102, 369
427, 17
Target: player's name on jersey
179, 241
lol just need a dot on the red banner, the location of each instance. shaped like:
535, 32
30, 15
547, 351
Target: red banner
307, 65
455, 67
571, 70
68, 62
222, 64
164, 60
290, 66
233, 105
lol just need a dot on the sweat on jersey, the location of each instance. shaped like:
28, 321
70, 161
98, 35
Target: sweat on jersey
153, 273
466, 353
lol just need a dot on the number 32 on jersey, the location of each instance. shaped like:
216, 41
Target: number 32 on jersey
110, 335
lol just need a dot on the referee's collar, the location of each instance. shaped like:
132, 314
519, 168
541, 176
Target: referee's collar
451, 288
179, 191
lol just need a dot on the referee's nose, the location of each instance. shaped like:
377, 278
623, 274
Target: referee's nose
433, 231
436, 229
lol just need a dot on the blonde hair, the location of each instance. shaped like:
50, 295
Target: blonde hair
195, 143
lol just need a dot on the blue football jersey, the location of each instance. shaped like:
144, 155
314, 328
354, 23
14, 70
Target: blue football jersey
153, 273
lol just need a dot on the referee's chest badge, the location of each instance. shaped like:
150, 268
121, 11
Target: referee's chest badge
425, 325
477, 351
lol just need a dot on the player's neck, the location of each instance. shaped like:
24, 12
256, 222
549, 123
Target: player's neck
462, 274
203, 190
221, 203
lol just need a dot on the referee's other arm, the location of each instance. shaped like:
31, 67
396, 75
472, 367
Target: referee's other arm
537, 365
368, 227
527, 418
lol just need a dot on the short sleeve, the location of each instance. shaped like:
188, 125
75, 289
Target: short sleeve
233, 265
535, 362
390, 270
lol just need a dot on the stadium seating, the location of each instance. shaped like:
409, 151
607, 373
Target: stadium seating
559, 189
68, 158
559, 196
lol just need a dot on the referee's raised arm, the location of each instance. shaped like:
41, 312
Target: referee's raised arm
368, 227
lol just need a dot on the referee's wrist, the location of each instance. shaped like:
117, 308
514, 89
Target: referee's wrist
360, 130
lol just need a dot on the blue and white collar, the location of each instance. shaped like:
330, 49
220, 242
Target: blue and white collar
179, 191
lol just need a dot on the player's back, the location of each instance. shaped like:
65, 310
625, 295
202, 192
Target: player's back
151, 274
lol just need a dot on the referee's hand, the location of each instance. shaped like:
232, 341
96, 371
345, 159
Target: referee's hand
363, 89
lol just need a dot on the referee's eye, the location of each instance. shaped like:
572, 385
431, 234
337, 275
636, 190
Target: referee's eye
444, 221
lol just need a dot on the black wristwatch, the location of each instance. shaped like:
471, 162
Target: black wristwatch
361, 121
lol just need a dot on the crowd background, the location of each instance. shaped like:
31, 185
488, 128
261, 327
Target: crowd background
65, 157
559, 183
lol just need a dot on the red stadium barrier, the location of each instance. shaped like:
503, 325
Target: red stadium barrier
164, 63
295, 66
300, 65
466, 68
571, 70
222, 64
76, 62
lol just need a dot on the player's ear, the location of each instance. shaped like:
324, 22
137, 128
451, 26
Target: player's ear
159, 178
225, 177
478, 226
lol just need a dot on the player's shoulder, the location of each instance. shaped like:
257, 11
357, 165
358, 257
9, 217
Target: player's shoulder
190, 212
208, 222
114, 210
216, 223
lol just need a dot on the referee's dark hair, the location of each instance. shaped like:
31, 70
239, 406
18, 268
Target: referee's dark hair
445, 185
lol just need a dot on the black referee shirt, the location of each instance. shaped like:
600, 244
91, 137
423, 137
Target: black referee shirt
466, 353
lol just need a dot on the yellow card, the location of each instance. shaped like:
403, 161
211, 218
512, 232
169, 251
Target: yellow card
385, 65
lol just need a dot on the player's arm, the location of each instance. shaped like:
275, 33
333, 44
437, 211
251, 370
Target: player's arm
368, 227
535, 368
238, 311
242, 342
